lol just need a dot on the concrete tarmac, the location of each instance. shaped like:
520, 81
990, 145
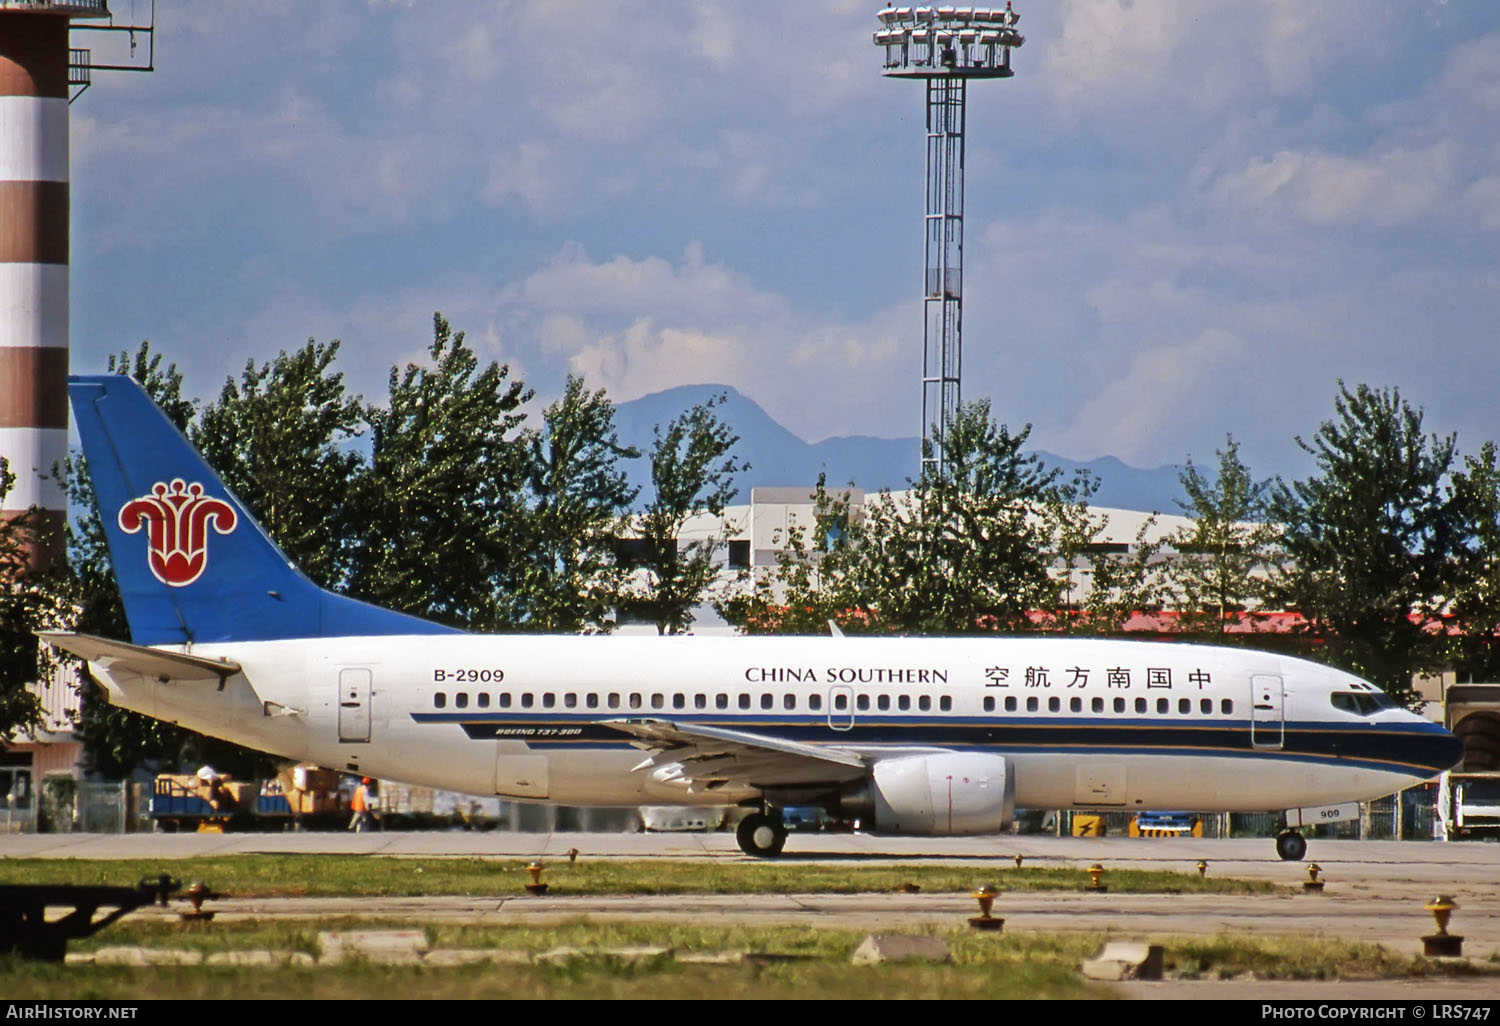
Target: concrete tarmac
1375, 890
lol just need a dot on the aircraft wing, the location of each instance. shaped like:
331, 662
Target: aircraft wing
705, 757
148, 662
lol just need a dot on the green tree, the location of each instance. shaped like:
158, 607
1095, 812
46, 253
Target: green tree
692, 473
1474, 636
1224, 556
443, 502
812, 583
978, 547
1123, 580
579, 496
280, 440
25, 605
970, 548
1371, 541
1103, 583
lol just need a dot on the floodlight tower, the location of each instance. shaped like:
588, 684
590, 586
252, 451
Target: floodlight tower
945, 46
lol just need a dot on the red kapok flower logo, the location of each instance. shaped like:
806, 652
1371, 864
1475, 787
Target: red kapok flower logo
176, 521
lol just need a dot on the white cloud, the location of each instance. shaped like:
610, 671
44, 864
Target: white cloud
1309, 181
1152, 56
1482, 202
1107, 45
1163, 386
1385, 189
530, 172
638, 326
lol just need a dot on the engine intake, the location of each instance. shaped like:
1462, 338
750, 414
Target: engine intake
948, 793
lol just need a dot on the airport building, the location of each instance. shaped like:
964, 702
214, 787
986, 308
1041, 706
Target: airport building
751, 538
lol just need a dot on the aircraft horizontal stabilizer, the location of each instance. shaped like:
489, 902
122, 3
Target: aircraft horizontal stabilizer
148, 662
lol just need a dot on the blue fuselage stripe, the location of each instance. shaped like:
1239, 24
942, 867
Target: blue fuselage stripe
1415, 749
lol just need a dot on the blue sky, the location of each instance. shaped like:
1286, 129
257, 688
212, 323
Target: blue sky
1184, 219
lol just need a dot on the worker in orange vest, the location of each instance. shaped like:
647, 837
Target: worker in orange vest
360, 806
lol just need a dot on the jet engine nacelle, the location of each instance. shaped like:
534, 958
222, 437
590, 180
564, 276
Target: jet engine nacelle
948, 793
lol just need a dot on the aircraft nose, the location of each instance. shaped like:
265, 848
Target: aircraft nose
1450, 752
1433, 749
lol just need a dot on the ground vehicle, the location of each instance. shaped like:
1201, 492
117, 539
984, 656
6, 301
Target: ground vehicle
301, 797
1469, 796
1166, 824
1472, 804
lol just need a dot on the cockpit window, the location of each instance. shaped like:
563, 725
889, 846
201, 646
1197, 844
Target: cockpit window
1361, 703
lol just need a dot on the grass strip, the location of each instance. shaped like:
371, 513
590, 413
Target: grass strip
269, 875
1013, 965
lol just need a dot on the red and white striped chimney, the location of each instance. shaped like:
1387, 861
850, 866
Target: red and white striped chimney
34, 261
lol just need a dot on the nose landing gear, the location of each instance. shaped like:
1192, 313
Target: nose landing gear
1291, 846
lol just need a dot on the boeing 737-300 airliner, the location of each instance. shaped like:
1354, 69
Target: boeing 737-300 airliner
908, 735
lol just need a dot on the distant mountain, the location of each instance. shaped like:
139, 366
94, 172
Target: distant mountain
779, 458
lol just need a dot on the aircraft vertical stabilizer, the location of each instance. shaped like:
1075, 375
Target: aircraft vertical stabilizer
192, 565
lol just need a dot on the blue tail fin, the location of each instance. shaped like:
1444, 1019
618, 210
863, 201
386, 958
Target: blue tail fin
192, 564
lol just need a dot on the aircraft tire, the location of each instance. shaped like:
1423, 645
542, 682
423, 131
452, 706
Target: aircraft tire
1291, 846
761, 835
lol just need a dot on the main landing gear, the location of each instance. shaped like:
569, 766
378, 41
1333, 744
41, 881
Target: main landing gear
761, 834
1291, 845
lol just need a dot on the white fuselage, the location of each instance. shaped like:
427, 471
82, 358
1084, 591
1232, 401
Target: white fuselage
1085, 723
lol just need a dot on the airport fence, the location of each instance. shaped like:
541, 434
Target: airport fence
1412, 818
66, 805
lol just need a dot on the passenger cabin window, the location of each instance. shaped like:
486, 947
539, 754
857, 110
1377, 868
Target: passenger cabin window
903, 702
570, 700
815, 702
721, 701
1184, 705
841, 702
1010, 703
461, 699
484, 700
1163, 705
744, 701
862, 702
591, 700
1226, 706
440, 701
700, 701
945, 703
635, 700
1054, 704
1075, 704
1140, 705
883, 703
1097, 705
549, 700
679, 701
1031, 703
924, 703
505, 699
614, 700
766, 701
1206, 706
989, 703
789, 701
1119, 705
658, 701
